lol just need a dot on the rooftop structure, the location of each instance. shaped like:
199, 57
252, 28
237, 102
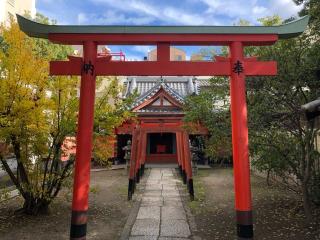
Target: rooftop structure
284, 31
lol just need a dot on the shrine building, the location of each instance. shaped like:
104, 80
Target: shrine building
159, 115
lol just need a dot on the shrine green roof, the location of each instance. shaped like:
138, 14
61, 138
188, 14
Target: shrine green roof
34, 29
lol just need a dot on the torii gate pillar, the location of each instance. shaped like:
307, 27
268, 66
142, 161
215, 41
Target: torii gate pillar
241, 166
78, 228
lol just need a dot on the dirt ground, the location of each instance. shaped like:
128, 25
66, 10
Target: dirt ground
109, 210
278, 213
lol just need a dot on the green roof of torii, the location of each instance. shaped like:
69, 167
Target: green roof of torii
34, 29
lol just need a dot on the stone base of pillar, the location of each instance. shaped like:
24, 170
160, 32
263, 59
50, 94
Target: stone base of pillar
184, 176
245, 231
244, 225
78, 229
138, 176
130, 189
191, 190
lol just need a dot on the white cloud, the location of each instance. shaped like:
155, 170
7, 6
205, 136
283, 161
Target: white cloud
257, 10
82, 18
130, 57
252, 9
172, 15
178, 16
143, 49
284, 8
111, 17
145, 12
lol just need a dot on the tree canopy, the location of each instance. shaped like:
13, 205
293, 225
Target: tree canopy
38, 112
282, 142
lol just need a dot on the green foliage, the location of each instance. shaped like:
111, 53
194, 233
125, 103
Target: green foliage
281, 141
211, 109
37, 112
110, 112
280, 138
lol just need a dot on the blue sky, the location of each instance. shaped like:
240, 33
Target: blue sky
162, 12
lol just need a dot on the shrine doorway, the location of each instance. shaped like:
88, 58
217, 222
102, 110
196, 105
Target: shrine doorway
161, 148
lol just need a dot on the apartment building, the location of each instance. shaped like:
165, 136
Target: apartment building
9, 8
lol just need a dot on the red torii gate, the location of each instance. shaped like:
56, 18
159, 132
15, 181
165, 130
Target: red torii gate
237, 66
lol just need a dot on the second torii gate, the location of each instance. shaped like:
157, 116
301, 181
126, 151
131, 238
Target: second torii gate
237, 66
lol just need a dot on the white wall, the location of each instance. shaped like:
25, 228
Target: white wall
16, 6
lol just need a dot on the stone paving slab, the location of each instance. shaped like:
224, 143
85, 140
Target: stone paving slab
169, 187
172, 198
152, 193
150, 212
168, 203
170, 193
146, 227
161, 215
175, 228
145, 238
170, 238
173, 213
154, 187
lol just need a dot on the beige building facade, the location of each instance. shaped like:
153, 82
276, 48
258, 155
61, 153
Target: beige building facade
175, 55
9, 8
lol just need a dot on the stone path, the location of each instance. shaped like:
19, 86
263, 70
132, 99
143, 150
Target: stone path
161, 215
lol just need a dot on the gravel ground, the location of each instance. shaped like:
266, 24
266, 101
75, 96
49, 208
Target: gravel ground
108, 213
278, 213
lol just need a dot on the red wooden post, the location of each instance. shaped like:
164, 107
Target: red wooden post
182, 157
178, 153
188, 166
131, 184
240, 144
138, 158
84, 144
143, 151
163, 52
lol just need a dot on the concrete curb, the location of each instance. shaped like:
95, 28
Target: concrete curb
11, 194
113, 167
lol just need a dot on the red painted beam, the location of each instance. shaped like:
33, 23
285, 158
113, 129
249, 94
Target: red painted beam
162, 68
260, 68
173, 39
65, 68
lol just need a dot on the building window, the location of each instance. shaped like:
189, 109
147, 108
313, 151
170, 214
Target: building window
11, 2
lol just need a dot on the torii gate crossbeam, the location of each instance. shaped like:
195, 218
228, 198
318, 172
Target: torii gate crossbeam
236, 66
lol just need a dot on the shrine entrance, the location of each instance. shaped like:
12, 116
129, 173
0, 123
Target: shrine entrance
236, 66
161, 148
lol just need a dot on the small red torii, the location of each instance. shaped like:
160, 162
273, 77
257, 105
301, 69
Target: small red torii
236, 66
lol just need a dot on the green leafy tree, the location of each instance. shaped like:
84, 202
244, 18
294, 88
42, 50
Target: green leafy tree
282, 141
111, 110
211, 109
36, 113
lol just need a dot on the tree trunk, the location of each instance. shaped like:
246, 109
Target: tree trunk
222, 162
268, 177
33, 206
306, 201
